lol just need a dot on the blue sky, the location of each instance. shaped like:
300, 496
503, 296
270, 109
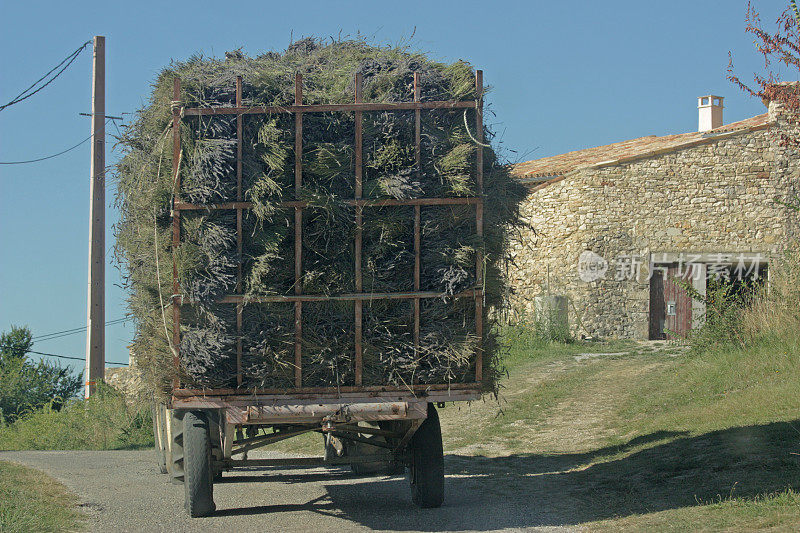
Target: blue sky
566, 75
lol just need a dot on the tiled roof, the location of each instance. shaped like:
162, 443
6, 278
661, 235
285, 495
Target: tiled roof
535, 172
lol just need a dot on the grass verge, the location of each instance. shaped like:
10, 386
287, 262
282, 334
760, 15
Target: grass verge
641, 436
32, 501
774, 511
103, 422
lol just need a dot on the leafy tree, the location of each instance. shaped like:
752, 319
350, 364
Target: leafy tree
778, 47
15, 344
25, 385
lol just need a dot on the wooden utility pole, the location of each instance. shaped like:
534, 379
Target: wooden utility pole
95, 306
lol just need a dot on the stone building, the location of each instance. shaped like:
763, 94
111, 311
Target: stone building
613, 229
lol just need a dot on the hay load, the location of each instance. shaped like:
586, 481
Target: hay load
213, 340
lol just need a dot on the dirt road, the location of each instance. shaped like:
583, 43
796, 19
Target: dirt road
560, 457
121, 491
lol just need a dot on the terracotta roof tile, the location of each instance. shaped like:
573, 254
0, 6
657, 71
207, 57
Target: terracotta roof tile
534, 171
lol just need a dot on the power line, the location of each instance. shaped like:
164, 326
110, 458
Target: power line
63, 356
50, 156
110, 322
78, 329
74, 331
27, 93
20, 97
70, 357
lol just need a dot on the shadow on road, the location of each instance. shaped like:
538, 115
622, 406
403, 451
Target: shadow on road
656, 472
317, 505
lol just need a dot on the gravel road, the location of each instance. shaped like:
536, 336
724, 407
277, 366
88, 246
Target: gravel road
121, 491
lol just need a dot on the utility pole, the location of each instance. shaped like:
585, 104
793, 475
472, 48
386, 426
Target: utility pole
95, 305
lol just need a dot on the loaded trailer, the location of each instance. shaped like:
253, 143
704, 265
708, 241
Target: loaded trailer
202, 432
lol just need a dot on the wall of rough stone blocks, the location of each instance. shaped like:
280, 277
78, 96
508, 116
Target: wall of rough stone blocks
723, 196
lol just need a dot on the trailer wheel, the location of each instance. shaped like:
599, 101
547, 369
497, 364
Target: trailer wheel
215, 431
175, 445
427, 462
163, 435
158, 438
197, 468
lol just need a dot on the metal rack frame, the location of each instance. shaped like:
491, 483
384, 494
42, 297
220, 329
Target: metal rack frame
358, 107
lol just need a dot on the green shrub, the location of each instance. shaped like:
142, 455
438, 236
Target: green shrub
522, 342
775, 311
550, 325
103, 422
767, 313
27, 386
724, 315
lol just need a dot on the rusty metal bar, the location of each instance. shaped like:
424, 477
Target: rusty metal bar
275, 413
479, 223
366, 430
325, 108
239, 308
417, 263
415, 424
417, 213
176, 228
239, 198
359, 202
266, 436
236, 403
239, 298
385, 202
359, 164
298, 232
357, 438
246, 445
296, 394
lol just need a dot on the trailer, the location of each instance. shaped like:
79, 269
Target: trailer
201, 433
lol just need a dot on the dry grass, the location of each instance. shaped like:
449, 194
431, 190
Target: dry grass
641, 437
31, 501
206, 260
775, 312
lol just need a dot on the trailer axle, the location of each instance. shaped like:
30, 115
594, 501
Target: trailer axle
307, 461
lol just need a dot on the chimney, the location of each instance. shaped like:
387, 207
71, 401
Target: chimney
710, 112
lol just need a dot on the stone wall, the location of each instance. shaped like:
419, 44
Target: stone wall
128, 381
719, 196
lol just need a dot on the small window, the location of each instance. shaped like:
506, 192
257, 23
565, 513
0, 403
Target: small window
671, 310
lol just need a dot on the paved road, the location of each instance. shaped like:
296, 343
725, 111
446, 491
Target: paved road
121, 491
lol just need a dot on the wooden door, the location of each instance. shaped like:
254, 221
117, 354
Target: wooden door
670, 303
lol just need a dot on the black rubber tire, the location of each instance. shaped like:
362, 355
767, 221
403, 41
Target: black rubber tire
427, 462
197, 469
158, 439
164, 436
215, 432
175, 451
